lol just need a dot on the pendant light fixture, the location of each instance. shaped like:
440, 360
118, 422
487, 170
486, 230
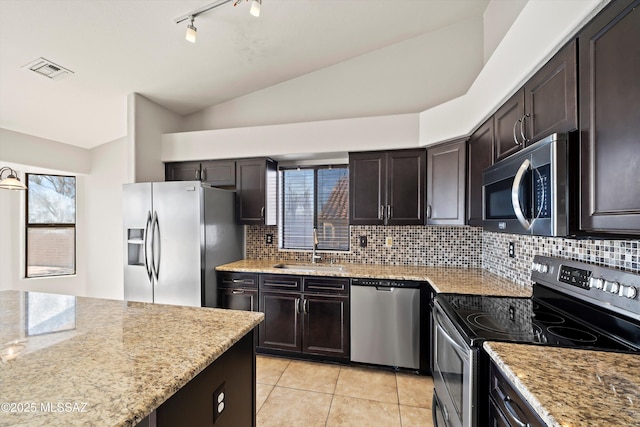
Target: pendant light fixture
192, 31
11, 182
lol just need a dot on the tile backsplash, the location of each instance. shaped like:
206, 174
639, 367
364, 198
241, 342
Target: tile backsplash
620, 254
411, 245
469, 247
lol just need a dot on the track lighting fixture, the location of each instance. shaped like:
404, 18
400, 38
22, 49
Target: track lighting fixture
192, 30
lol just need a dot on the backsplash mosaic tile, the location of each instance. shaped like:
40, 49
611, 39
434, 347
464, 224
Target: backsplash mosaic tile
411, 245
620, 254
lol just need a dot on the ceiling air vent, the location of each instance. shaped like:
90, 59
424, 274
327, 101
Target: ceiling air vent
48, 69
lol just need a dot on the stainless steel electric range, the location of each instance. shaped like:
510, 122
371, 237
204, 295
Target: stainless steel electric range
573, 305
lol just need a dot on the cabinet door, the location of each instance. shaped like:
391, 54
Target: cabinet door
446, 183
219, 173
367, 183
609, 66
551, 96
406, 187
505, 119
239, 299
256, 181
480, 155
326, 325
182, 171
281, 328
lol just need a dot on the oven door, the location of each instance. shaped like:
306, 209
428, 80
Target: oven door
454, 373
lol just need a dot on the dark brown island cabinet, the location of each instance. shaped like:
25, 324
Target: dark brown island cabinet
387, 187
546, 104
305, 315
446, 171
256, 186
218, 173
609, 71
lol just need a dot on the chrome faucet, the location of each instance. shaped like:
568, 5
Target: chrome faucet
314, 256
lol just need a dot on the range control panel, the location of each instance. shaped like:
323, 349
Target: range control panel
384, 283
574, 276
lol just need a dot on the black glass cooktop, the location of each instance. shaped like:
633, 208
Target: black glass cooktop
526, 320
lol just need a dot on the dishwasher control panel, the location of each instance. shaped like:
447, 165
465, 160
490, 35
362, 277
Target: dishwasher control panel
384, 283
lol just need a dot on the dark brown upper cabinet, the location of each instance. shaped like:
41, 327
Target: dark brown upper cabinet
609, 70
387, 187
546, 104
218, 173
446, 171
480, 155
256, 186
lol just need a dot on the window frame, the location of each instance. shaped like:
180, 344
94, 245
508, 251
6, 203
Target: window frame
281, 201
55, 225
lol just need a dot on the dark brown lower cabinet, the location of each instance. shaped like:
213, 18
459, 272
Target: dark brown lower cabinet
239, 299
506, 406
311, 318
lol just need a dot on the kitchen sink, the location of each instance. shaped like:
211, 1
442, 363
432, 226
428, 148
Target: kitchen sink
311, 267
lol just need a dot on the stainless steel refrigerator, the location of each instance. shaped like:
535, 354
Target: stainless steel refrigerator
175, 234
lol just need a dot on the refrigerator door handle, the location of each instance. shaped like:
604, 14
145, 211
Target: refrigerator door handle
156, 245
147, 240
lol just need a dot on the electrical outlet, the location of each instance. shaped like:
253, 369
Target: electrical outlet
388, 242
512, 313
269, 239
512, 250
363, 241
219, 402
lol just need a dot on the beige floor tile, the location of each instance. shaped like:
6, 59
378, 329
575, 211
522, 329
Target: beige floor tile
288, 407
262, 392
310, 376
350, 411
270, 369
367, 383
415, 390
415, 417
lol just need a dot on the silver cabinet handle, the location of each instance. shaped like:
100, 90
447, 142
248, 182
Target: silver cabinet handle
297, 305
524, 138
237, 291
381, 214
428, 211
305, 306
515, 195
203, 175
515, 137
262, 212
197, 174
237, 281
512, 413
389, 211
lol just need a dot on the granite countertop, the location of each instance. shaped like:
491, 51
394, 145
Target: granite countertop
443, 279
86, 361
572, 387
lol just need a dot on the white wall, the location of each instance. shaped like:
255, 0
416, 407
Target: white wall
330, 136
104, 219
146, 122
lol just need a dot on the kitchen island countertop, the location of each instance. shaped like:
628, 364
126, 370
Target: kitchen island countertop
443, 279
573, 387
85, 361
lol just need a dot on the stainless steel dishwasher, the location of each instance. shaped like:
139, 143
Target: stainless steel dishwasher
385, 323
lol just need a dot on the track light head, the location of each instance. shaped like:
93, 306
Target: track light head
255, 7
192, 31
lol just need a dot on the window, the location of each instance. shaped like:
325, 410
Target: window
51, 225
315, 198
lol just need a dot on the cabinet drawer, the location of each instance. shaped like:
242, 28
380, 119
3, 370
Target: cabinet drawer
283, 282
509, 402
326, 285
237, 280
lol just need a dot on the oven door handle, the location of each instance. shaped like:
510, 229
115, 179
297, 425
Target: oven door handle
515, 195
460, 349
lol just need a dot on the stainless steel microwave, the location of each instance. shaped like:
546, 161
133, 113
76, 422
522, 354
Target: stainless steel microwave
528, 192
